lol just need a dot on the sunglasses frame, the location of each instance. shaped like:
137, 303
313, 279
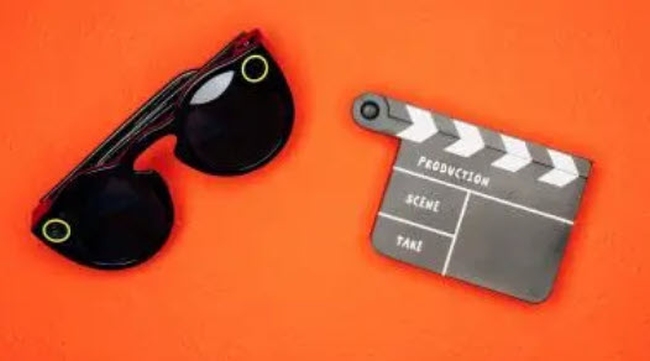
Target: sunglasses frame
157, 118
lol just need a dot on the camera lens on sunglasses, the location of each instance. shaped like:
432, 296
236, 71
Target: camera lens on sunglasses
230, 117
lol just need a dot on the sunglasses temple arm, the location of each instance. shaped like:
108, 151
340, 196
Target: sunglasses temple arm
225, 52
155, 110
147, 116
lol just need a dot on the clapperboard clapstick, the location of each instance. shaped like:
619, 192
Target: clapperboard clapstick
471, 203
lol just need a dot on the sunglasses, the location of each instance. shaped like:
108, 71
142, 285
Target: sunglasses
229, 117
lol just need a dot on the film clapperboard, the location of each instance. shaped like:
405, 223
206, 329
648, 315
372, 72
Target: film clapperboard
473, 204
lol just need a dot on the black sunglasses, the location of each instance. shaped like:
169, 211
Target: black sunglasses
230, 117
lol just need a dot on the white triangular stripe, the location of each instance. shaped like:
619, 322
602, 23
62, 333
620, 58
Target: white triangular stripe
563, 162
564, 169
423, 126
558, 178
511, 163
516, 157
470, 140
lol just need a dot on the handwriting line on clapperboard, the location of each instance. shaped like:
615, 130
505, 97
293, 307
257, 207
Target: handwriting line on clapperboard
486, 196
456, 232
416, 225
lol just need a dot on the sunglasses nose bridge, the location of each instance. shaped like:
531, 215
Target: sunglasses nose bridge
146, 125
141, 142
154, 121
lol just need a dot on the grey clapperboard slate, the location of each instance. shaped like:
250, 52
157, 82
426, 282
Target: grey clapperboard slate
471, 203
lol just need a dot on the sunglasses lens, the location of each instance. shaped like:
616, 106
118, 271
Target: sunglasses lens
112, 218
236, 119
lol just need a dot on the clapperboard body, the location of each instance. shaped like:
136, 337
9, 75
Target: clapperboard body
471, 203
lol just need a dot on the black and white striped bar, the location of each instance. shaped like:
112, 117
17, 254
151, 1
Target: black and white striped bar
472, 203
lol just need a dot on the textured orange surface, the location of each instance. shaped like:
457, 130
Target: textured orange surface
278, 264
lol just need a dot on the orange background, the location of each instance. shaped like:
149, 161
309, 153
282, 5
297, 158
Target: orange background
278, 264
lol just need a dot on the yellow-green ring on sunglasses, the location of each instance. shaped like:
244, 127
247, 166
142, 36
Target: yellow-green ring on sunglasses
66, 226
259, 78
